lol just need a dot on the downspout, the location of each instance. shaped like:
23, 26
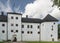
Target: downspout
7, 27
40, 33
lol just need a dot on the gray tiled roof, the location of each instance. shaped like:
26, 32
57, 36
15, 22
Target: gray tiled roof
3, 18
49, 18
31, 20
14, 13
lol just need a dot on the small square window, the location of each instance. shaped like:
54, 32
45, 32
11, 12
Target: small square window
11, 24
22, 32
38, 26
3, 24
16, 17
27, 26
3, 31
11, 17
11, 30
28, 32
54, 23
52, 29
16, 30
31, 32
31, 26
51, 35
38, 32
16, 24
22, 26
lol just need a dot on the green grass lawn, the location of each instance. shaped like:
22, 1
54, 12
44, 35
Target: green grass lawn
1, 42
37, 42
43, 42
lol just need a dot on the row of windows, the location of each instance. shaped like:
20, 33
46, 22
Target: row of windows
13, 17
29, 32
13, 24
29, 26
13, 31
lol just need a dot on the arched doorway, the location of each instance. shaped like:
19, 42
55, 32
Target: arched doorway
14, 38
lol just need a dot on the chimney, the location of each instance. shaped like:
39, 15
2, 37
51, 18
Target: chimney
26, 16
2, 13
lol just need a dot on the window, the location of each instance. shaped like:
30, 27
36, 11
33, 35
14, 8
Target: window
11, 17
28, 32
52, 28
31, 32
11, 30
38, 26
38, 32
16, 24
22, 26
52, 39
22, 32
11, 24
3, 31
16, 30
54, 23
16, 17
3, 24
27, 26
31, 26
51, 35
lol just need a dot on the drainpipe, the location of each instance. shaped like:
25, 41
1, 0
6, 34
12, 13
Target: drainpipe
40, 33
7, 27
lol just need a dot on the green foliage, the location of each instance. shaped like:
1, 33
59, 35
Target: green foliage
1, 42
57, 2
58, 30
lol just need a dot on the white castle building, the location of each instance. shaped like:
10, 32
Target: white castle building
15, 27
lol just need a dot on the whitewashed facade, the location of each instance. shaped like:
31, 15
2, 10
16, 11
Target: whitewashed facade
27, 29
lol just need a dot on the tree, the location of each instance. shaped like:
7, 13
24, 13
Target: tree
58, 30
56, 2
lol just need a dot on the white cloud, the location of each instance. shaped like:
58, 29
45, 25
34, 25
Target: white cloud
40, 8
56, 12
37, 8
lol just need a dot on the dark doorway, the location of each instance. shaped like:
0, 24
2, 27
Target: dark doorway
52, 39
15, 39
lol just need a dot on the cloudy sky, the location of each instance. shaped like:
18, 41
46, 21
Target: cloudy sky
32, 8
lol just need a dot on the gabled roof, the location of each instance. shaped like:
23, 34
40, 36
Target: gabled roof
31, 20
3, 18
49, 18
